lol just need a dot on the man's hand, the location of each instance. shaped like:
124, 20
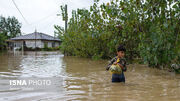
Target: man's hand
115, 63
120, 66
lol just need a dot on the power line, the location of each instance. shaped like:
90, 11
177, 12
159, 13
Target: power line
50, 23
43, 19
20, 11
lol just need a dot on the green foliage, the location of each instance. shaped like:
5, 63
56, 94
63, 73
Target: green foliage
159, 44
40, 49
59, 31
148, 28
64, 14
45, 45
2, 41
9, 27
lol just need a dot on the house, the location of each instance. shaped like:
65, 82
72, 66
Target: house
33, 40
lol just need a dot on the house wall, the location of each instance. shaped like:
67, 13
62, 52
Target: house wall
13, 45
57, 44
18, 44
39, 43
33, 43
50, 44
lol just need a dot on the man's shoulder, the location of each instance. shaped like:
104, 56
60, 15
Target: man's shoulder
114, 58
123, 60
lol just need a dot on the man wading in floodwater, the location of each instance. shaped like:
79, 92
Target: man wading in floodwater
117, 65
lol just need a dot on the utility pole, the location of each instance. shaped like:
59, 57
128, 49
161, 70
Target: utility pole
66, 18
35, 38
64, 15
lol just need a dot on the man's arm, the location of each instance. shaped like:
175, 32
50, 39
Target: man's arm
123, 65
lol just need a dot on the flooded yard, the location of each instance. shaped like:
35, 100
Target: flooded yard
76, 78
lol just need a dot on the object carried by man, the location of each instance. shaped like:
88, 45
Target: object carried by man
115, 69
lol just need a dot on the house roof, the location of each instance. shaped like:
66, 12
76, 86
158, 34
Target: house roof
35, 35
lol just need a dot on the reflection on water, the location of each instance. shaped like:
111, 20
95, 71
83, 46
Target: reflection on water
28, 64
84, 79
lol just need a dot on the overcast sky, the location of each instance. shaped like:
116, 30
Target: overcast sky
41, 14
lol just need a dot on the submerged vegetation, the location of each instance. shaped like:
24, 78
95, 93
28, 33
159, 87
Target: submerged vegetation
150, 30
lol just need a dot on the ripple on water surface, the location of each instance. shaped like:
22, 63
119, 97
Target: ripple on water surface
83, 79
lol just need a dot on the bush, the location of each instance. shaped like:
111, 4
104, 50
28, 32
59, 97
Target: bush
149, 29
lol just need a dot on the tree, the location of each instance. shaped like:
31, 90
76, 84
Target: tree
2, 41
9, 28
59, 31
148, 28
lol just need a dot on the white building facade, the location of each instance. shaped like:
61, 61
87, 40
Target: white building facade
34, 40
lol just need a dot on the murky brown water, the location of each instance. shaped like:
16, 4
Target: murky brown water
83, 79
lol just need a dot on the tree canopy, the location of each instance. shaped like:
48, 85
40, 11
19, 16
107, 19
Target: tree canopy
9, 27
150, 30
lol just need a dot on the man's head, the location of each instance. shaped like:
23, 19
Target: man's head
121, 51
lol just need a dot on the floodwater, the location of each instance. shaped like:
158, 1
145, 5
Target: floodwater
77, 79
